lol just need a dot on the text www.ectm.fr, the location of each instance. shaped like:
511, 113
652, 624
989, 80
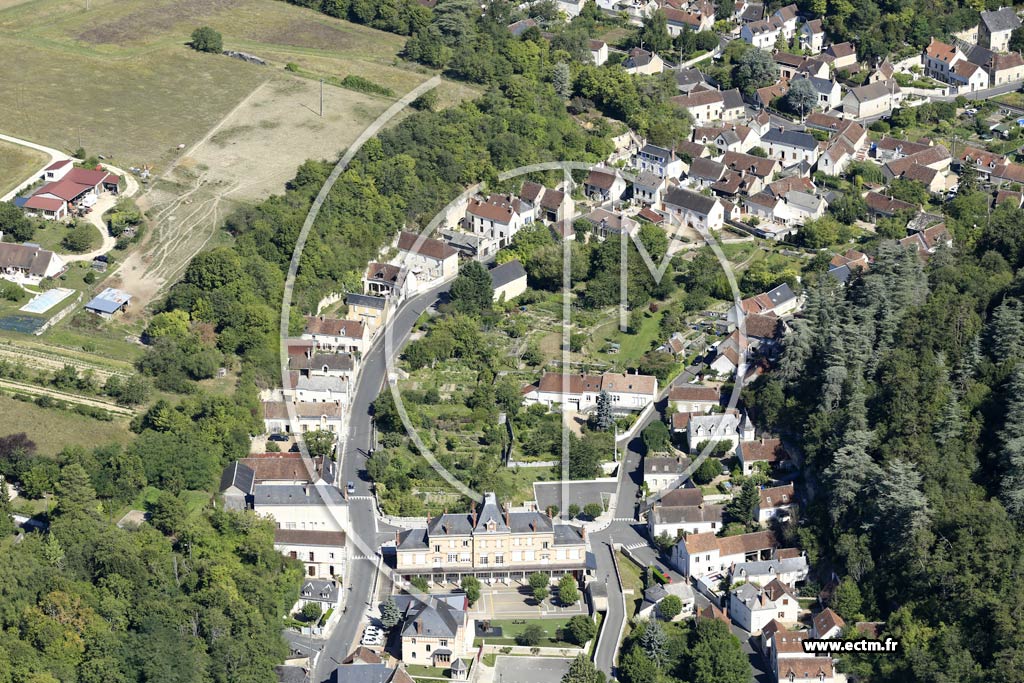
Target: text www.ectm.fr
818, 646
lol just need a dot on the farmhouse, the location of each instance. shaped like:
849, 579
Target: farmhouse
70, 189
28, 264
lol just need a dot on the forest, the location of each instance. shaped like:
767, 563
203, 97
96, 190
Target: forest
904, 394
195, 595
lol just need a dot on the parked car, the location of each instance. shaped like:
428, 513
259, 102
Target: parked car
278, 437
351, 488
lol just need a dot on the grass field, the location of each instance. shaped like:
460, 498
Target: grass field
119, 80
632, 579
53, 429
16, 164
510, 630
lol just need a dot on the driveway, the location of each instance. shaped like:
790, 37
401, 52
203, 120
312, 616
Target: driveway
55, 155
104, 204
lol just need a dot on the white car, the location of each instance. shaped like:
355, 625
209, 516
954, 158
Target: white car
374, 641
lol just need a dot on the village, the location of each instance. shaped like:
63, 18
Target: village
693, 511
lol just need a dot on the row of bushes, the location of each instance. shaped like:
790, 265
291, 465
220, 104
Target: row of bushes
50, 402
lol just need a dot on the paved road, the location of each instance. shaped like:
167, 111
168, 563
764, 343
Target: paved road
54, 154
364, 538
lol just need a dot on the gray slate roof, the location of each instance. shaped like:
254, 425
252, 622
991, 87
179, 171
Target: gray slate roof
294, 494
691, 200
362, 673
793, 138
1004, 19
506, 273
238, 475
761, 568
781, 294
436, 618
731, 99
366, 301
320, 591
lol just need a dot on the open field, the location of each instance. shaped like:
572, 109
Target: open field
52, 429
16, 164
119, 80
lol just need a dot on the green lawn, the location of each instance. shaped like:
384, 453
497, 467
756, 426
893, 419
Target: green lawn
17, 163
632, 578
53, 429
510, 630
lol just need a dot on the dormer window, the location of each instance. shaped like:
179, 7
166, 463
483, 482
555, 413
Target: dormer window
491, 526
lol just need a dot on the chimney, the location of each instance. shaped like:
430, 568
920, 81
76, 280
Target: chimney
507, 515
398, 535
419, 626
305, 489
583, 532
472, 512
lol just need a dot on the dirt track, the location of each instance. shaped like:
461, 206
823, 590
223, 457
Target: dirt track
33, 359
70, 398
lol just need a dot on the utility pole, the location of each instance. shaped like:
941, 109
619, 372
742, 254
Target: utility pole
321, 98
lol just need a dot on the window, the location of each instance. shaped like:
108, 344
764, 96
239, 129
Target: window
785, 601
483, 559
444, 642
452, 557
428, 647
413, 641
499, 559
311, 557
545, 545
465, 544
330, 555
782, 615
437, 548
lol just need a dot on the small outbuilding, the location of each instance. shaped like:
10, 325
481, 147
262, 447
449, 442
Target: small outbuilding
109, 302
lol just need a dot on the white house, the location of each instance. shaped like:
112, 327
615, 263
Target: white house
663, 471
323, 552
697, 555
789, 570
28, 264
508, 280
598, 51
806, 670
676, 520
318, 389
762, 34
812, 36
777, 501
749, 453
580, 392
694, 210
659, 161
336, 335
428, 259
996, 27
649, 188
730, 426
752, 607
874, 99
712, 105
694, 398
308, 417
939, 58
496, 218
826, 624
604, 184
791, 147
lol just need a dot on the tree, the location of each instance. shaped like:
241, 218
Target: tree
1017, 40
472, 292
968, 182
717, 656
568, 591
80, 238
593, 510
581, 628
14, 224
538, 580
656, 437
389, 614
420, 584
708, 470
6, 521
574, 510
134, 392
670, 607
846, 600
654, 33
653, 641
802, 97
311, 611
320, 442
205, 39
530, 636
637, 667
76, 495
471, 587
540, 594
168, 513
561, 79
755, 69
741, 507
604, 420
582, 670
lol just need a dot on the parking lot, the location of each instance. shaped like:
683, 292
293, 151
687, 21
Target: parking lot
530, 669
517, 601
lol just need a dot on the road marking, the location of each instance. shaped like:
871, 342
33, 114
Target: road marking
635, 546
625, 519
360, 497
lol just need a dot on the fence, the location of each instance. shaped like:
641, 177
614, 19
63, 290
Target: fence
68, 310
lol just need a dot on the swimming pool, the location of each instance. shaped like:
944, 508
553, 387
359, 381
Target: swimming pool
41, 303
